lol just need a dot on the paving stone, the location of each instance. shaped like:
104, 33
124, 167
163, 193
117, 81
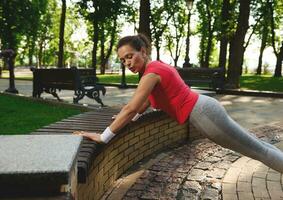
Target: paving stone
210, 194
217, 173
258, 182
213, 159
197, 175
260, 175
232, 175
273, 176
260, 192
245, 196
229, 188
185, 195
230, 197
245, 176
203, 165
216, 184
244, 187
192, 186
223, 165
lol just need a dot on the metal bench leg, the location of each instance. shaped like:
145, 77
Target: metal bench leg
52, 91
94, 94
79, 94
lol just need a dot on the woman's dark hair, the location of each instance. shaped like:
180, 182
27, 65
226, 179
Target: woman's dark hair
136, 42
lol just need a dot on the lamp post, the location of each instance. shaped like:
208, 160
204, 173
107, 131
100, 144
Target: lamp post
187, 58
123, 78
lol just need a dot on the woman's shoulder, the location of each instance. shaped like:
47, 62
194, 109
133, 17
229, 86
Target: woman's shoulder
159, 67
158, 64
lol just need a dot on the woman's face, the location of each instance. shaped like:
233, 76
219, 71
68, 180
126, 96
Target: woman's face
133, 59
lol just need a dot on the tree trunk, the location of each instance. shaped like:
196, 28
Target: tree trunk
61, 35
144, 23
278, 67
202, 52
40, 53
262, 47
157, 46
102, 46
94, 47
237, 45
112, 41
31, 51
224, 35
279, 55
208, 48
209, 38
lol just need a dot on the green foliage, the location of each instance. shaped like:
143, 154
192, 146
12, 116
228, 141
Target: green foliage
209, 26
177, 32
22, 116
161, 12
13, 21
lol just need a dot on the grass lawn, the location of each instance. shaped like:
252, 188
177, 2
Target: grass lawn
21, 116
262, 83
116, 78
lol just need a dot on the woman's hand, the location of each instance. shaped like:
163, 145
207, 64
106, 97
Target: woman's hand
90, 135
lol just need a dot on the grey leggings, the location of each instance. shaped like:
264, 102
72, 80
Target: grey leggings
209, 117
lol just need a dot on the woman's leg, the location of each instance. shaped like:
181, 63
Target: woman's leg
210, 117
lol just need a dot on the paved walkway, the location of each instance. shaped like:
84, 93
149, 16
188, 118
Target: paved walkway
202, 169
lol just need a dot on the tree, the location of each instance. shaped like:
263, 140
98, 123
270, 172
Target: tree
37, 10
13, 22
61, 35
263, 30
237, 45
144, 21
209, 11
98, 13
224, 34
174, 37
45, 33
276, 6
107, 36
161, 13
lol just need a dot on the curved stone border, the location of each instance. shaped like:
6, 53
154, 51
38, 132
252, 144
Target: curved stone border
153, 132
250, 179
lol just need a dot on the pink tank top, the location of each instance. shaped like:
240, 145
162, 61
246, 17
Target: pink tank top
171, 95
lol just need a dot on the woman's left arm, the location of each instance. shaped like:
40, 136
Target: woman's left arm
146, 85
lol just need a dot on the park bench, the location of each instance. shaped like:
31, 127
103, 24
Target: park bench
82, 81
212, 77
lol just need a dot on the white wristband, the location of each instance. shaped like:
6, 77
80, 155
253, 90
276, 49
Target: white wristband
107, 135
135, 118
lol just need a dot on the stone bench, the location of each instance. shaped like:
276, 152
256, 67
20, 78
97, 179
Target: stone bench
38, 166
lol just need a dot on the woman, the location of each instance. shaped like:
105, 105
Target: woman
161, 87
